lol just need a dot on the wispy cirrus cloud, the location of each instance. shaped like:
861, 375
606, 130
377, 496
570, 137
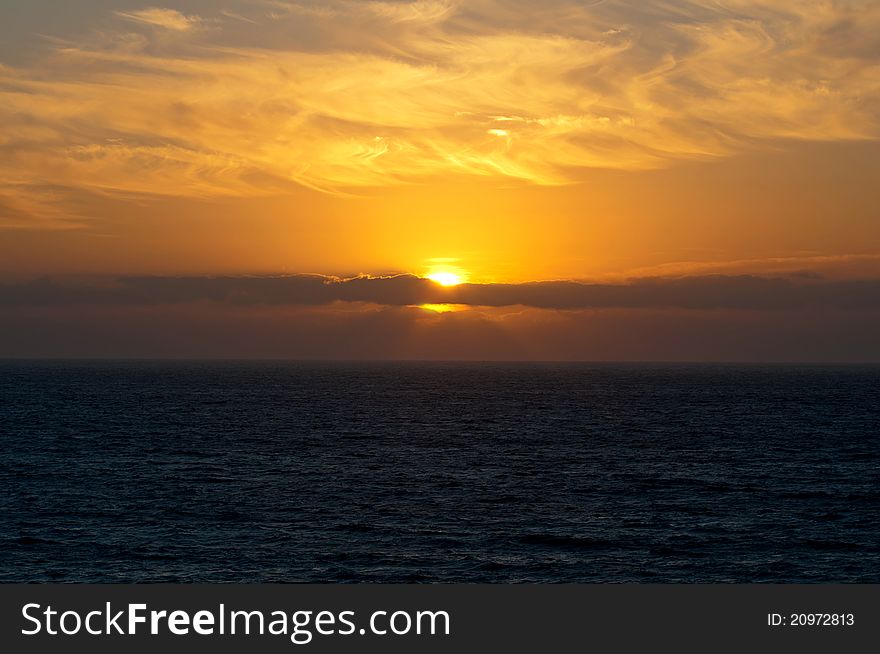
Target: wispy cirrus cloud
340, 95
160, 17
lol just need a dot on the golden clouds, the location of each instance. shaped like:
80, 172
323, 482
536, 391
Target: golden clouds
340, 95
165, 18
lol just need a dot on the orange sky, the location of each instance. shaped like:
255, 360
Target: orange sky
812, 205
592, 141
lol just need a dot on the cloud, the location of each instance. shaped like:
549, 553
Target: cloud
362, 332
421, 11
50, 208
169, 19
709, 292
852, 266
340, 95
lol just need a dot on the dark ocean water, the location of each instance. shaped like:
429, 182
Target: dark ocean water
399, 472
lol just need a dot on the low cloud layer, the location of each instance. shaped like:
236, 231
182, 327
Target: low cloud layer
742, 292
334, 95
368, 332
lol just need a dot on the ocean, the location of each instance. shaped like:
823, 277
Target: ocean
135, 471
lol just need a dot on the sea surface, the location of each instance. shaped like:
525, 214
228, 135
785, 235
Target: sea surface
438, 472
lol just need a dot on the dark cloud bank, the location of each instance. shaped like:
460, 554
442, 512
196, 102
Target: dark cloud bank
745, 292
709, 318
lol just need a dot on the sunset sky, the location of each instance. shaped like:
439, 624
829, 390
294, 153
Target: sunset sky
610, 180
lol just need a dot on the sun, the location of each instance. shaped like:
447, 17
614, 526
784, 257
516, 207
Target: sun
445, 278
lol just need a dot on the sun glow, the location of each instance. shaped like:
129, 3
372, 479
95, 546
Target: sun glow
446, 278
442, 308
